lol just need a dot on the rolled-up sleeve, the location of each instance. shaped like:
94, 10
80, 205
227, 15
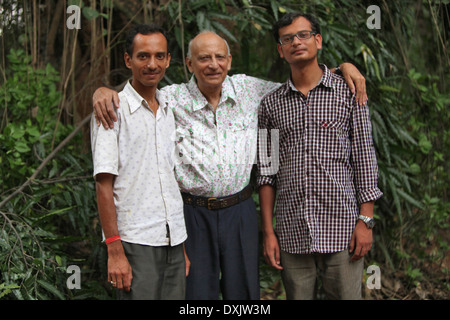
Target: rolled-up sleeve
363, 159
268, 159
105, 149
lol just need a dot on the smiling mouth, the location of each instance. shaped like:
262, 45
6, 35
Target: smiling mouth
299, 51
150, 74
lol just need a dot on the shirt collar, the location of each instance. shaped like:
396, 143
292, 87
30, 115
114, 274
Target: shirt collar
198, 99
325, 80
135, 100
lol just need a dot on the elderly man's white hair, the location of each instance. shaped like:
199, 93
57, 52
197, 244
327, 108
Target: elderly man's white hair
189, 53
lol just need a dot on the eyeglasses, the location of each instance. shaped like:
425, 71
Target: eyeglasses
301, 35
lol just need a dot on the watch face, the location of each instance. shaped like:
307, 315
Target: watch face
370, 223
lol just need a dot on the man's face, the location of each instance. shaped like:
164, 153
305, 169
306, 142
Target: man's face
210, 61
299, 51
149, 60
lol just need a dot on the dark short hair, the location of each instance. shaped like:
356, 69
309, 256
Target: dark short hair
142, 29
288, 18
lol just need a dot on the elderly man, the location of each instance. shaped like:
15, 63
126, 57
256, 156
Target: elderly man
216, 123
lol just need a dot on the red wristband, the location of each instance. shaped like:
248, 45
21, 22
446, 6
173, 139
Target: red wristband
112, 239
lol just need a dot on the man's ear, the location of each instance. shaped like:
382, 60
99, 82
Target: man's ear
280, 50
189, 65
229, 62
127, 59
318, 39
168, 60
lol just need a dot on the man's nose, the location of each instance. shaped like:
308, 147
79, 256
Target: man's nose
214, 63
296, 41
151, 63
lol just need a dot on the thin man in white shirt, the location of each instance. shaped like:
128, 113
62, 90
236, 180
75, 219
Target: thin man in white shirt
139, 202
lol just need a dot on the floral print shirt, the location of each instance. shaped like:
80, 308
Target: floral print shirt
215, 150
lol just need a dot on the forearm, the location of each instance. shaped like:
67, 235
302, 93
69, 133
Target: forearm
364, 160
107, 213
267, 203
367, 209
106, 206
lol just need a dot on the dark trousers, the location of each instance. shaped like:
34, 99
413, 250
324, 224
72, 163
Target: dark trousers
222, 246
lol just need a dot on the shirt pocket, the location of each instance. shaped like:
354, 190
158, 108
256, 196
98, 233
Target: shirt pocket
194, 145
238, 143
332, 133
183, 137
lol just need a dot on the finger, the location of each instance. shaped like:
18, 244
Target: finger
116, 100
95, 117
99, 117
351, 84
108, 113
127, 281
102, 114
119, 281
112, 280
270, 258
274, 258
366, 249
357, 253
352, 243
362, 92
278, 260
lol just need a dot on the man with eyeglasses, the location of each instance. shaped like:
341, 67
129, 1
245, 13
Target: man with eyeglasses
324, 174
216, 122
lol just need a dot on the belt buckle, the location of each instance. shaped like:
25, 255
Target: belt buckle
209, 204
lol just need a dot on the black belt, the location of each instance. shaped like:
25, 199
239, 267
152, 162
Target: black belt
218, 203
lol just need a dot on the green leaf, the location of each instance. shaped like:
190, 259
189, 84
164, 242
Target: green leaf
51, 288
388, 88
90, 13
200, 20
21, 147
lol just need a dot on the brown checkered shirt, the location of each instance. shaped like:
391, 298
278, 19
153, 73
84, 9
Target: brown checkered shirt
325, 166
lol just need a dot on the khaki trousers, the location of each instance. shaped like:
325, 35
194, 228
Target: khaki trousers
341, 278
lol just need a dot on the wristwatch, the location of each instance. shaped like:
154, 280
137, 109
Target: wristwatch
338, 70
368, 221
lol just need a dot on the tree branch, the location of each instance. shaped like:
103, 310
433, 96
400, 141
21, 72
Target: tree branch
46, 160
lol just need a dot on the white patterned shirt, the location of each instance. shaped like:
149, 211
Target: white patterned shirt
215, 151
139, 152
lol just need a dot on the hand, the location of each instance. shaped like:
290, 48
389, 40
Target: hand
188, 262
361, 241
355, 81
104, 100
119, 269
272, 251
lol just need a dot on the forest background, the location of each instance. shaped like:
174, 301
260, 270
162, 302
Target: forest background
49, 69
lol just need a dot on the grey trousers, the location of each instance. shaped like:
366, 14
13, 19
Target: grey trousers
341, 278
159, 273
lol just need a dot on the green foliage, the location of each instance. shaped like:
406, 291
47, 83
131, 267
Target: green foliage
42, 227
53, 224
